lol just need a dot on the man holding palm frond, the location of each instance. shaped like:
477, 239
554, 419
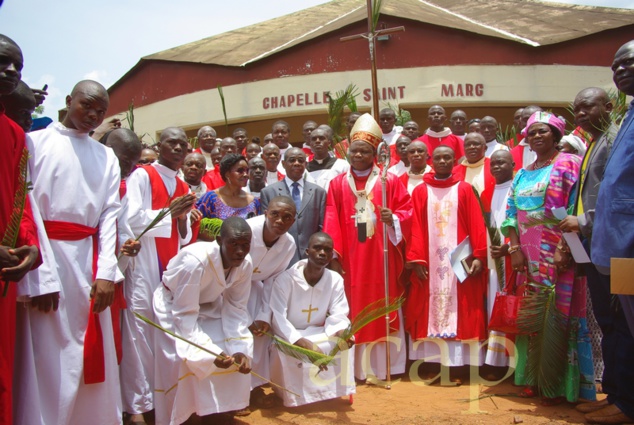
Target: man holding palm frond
310, 310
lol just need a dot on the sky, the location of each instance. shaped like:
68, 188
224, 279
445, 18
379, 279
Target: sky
66, 41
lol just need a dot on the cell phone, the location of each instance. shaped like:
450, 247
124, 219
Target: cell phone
45, 87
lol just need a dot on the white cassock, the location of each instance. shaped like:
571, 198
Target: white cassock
197, 302
493, 146
391, 137
268, 263
125, 232
75, 179
322, 177
315, 313
496, 354
142, 278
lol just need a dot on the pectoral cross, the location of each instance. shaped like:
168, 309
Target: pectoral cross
256, 270
310, 311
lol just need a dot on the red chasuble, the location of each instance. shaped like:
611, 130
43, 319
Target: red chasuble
363, 261
12, 145
472, 292
166, 248
453, 141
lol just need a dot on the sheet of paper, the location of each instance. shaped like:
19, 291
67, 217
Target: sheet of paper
621, 272
572, 239
462, 251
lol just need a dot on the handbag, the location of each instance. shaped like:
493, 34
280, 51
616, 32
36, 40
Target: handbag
505, 308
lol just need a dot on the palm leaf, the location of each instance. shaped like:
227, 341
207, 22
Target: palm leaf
210, 228
496, 240
224, 109
336, 109
206, 350
370, 313
302, 354
540, 219
10, 237
539, 317
376, 13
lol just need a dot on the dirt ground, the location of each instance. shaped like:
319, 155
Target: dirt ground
416, 403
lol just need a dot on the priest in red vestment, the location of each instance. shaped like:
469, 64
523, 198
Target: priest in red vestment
14, 263
354, 218
444, 317
437, 134
474, 168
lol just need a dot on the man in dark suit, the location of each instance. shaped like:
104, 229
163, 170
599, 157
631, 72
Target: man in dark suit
309, 198
592, 108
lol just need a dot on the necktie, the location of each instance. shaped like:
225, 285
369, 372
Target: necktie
295, 195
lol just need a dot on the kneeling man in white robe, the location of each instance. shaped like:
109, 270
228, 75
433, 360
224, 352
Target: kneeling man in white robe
310, 311
204, 298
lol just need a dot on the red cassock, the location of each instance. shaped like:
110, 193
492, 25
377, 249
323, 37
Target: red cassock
515, 141
13, 145
460, 171
212, 179
472, 292
453, 141
363, 261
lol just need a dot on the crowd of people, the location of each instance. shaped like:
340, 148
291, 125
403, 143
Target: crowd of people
169, 284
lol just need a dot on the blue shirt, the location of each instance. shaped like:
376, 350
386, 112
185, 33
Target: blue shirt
613, 233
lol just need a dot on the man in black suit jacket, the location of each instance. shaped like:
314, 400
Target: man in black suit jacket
592, 108
310, 198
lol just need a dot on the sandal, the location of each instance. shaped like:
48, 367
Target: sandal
527, 392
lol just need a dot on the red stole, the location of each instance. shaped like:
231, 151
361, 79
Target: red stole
472, 292
166, 248
94, 361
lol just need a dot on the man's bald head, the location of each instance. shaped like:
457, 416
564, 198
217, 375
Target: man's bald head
127, 148
20, 105
87, 105
591, 108
232, 226
283, 200
172, 132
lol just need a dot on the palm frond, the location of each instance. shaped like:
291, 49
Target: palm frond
129, 115
224, 109
540, 219
336, 109
206, 350
302, 354
10, 237
376, 13
370, 313
210, 228
539, 317
496, 240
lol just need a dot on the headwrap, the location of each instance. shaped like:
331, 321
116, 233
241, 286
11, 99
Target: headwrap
576, 143
367, 130
546, 118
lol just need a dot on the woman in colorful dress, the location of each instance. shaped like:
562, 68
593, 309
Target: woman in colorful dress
537, 254
231, 199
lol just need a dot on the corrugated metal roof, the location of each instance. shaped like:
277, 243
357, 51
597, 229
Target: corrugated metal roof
525, 21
